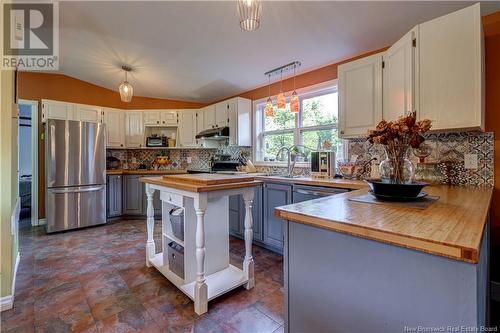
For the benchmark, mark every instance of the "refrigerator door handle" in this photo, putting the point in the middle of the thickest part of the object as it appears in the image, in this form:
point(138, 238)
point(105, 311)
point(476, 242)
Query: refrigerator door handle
point(77, 189)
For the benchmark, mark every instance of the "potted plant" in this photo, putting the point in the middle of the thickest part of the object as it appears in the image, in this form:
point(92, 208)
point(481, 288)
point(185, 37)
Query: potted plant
point(397, 137)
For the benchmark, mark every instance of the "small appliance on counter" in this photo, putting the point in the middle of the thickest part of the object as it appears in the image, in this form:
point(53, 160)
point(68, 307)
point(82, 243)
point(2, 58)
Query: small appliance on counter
point(156, 141)
point(323, 164)
point(224, 163)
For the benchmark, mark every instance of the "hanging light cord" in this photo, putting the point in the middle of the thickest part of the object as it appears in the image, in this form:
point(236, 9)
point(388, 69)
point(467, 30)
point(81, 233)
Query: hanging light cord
point(269, 86)
point(294, 67)
point(281, 81)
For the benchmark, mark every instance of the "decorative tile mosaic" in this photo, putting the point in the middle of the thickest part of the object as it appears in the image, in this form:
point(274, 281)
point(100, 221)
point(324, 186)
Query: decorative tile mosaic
point(200, 158)
point(448, 150)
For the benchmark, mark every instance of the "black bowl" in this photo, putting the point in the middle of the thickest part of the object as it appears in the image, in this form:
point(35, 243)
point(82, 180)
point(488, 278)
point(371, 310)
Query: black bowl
point(396, 190)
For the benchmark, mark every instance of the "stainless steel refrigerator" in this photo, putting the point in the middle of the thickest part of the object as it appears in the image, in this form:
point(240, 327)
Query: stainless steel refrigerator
point(75, 168)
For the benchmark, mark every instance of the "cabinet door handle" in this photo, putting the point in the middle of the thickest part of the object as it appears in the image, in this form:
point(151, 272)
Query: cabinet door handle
point(158, 122)
point(341, 132)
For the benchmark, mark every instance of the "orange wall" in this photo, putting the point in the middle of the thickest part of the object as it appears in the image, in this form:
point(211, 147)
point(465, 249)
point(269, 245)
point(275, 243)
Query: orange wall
point(307, 79)
point(60, 87)
point(491, 24)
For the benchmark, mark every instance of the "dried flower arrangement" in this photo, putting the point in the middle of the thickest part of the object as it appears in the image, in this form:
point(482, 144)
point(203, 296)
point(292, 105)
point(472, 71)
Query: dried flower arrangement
point(397, 136)
point(404, 131)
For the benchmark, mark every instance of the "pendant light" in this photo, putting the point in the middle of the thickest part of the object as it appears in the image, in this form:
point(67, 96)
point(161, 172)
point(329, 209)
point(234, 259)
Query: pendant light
point(249, 11)
point(126, 89)
point(281, 100)
point(269, 110)
point(294, 99)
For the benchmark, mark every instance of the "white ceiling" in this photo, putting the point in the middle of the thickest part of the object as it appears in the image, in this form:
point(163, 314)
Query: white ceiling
point(196, 51)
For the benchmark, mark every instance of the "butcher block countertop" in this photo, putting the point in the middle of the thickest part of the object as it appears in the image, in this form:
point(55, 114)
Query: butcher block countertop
point(143, 172)
point(203, 182)
point(451, 227)
point(326, 182)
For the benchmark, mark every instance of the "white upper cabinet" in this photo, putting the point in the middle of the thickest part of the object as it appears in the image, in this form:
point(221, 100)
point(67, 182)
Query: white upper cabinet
point(209, 117)
point(200, 116)
point(115, 127)
point(399, 78)
point(187, 128)
point(222, 114)
point(134, 129)
point(240, 121)
point(152, 118)
point(451, 70)
point(88, 113)
point(57, 110)
point(160, 118)
point(169, 117)
point(360, 95)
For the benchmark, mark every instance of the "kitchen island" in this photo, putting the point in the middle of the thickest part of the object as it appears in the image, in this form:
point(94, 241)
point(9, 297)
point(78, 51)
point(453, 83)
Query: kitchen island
point(204, 200)
point(356, 267)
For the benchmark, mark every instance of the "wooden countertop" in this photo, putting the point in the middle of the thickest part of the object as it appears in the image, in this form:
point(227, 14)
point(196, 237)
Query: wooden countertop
point(143, 172)
point(451, 227)
point(335, 182)
point(202, 182)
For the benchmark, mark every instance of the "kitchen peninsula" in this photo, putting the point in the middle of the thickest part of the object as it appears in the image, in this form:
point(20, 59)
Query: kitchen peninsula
point(352, 266)
point(202, 270)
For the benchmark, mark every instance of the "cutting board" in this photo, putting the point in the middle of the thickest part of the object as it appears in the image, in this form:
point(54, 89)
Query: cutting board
point(208, 179)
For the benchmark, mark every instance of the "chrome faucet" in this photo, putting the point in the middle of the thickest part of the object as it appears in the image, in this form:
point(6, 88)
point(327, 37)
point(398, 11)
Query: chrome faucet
point(290, 163)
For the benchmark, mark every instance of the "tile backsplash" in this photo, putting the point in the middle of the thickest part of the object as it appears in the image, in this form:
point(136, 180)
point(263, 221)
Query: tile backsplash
point(200, 158)
point(448, 149)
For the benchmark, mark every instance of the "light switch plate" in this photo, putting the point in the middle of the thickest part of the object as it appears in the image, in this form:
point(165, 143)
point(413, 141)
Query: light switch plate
point(189, 160)
point(470, 161)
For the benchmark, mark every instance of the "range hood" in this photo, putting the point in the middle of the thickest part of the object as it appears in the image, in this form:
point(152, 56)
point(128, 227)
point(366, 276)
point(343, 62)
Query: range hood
point(220, 133)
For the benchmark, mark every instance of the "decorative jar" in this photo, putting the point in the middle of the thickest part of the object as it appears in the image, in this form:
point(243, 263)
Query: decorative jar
point(397, 168)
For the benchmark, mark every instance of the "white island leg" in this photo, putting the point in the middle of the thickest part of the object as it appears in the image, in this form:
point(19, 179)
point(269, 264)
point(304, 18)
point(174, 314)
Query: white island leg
point(248, 264)
point(150, 245)
point(201, 288)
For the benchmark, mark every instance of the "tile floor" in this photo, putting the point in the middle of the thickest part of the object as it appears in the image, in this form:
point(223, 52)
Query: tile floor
point(95, 280)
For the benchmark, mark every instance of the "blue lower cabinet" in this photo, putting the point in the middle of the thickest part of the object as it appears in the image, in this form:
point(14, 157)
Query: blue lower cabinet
point(275, 195)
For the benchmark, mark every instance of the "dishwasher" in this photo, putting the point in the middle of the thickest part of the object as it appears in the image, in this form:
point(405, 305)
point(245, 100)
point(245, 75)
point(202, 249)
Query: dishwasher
point(302, 193)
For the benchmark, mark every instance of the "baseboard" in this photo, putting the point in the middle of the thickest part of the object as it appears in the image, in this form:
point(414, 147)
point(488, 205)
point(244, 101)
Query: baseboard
point(7, 302)
point(42, 222)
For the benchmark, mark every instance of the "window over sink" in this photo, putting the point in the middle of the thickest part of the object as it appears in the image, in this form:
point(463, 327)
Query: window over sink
point(315, 123)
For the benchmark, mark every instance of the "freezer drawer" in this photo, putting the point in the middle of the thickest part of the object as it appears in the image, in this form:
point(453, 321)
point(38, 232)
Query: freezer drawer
point(75, 207)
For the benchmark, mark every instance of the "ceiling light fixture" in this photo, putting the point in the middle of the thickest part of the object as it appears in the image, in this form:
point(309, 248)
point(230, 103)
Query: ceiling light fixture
point(281, 100)
point(269, 110)
point(249, 11)
point(294, 98)
point(126, 89)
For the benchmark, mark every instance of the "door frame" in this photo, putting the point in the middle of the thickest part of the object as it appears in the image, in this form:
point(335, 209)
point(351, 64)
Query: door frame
point(34, 158)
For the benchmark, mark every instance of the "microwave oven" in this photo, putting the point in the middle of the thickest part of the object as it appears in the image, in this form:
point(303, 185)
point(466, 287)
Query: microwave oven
point(156, 141)
point(323, 164)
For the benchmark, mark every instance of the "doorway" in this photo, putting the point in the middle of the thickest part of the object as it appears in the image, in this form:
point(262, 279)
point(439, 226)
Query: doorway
point(28, 160)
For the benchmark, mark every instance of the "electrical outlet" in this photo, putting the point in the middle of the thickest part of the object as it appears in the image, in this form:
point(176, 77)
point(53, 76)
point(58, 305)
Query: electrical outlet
point(470, 161)
point(189, 160)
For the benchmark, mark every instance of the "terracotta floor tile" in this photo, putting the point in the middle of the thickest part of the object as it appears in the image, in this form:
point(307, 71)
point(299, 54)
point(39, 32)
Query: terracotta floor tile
point(96, 280)
point(112, 304)
point(251, 320)
point(130, 320)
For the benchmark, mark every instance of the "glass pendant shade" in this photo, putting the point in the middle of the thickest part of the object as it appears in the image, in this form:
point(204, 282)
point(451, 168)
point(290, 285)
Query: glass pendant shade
point(249, 11)
point(126, 92)
point(269, 108)
point(281, 101)
point(294, 102)
point(125, 89)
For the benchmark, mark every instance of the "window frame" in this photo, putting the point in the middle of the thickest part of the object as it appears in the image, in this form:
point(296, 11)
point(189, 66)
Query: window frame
point(259, 121)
